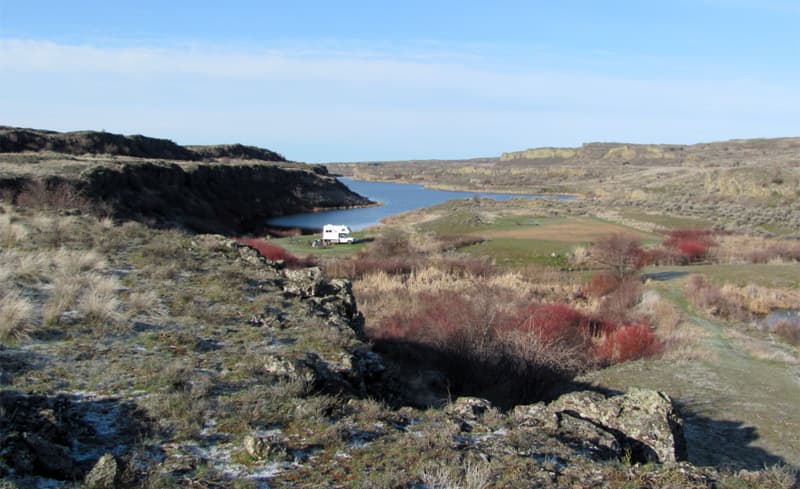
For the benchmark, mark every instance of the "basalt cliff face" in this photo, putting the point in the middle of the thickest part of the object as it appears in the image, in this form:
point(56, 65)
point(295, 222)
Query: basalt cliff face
point(227, 189)
point(220, 198)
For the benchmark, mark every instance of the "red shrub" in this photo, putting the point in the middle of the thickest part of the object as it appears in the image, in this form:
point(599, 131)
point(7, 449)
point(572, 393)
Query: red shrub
point(601, 284)
point(628, 342)
point(438, 316)
point(399, 265)
point(693, 250)
point(272, 252)
point(552, 323)
point(692, 244)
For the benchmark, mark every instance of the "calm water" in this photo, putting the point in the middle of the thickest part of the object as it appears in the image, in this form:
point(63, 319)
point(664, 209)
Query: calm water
point(396, 197)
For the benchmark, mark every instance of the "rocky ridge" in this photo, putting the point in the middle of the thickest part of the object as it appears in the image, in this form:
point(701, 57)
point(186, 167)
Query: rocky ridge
point(16, 140)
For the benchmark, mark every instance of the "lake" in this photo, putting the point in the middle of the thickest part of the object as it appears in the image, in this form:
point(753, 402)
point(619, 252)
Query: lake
point(396, 198)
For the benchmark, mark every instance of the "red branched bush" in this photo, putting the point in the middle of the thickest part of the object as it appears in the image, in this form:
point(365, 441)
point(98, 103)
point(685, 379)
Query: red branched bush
point(692, 244)
point(552, 322)
point(628, 342)
point(273, 252)
point(601, 284)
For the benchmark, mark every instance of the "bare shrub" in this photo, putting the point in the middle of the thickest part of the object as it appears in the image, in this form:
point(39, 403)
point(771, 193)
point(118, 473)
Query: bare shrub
point(16, 317)
point(789, 331)
point(392, 243)
point(41, 194)
point(618, 304)
point(621, 254)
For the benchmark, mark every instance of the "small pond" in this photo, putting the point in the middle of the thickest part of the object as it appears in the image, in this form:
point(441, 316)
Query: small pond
point(778, 316)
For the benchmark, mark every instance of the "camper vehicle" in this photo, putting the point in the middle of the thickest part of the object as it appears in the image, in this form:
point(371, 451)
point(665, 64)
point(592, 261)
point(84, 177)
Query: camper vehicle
point(336, 234)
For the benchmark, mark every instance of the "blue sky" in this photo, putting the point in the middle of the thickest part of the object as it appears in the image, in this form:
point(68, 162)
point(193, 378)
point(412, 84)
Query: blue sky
point(354, 81)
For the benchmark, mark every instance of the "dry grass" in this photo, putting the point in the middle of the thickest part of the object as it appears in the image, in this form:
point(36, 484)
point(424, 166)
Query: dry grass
point(761, 349)
point(758, 299)
point(16, 317)
point(63, 295)
point(682, 339)
point(99, 303)
point(11, 233)
point(472, 475)
point(742, 248)
point(577, 230)
point(380, 293)
point(146, 302)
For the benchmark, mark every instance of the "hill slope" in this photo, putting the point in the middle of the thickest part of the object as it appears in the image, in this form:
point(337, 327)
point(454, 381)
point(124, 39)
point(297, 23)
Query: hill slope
point(15, 140)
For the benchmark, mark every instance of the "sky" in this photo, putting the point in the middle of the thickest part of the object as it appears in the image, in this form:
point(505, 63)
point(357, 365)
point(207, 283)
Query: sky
point(323, 81)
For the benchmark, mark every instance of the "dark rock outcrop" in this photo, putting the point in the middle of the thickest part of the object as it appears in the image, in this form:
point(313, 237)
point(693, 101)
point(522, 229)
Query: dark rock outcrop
point(17, 140)
point(224, 199)
point(235, 151)
point(644, 422)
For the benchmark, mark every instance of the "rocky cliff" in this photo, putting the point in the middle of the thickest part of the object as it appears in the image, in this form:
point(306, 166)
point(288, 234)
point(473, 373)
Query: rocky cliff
point(214, 198)
point(227, 189)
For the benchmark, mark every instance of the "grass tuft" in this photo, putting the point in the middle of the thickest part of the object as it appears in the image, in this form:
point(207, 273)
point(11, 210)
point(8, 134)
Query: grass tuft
point(16, 316)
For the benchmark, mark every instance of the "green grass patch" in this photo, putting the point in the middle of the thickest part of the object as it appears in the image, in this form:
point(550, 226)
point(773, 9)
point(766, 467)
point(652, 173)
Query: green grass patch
point(301, 245)
point(468, 221)
point(778, 229)
point(508, 252)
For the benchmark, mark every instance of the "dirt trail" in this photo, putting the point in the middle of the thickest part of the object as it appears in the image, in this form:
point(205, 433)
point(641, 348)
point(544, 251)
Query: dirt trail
point(740, 411)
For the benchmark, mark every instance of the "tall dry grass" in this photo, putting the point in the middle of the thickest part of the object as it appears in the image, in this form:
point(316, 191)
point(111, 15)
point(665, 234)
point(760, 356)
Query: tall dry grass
point(12, 233)
point(682, 339)
point(16, 317)
point(739, 248)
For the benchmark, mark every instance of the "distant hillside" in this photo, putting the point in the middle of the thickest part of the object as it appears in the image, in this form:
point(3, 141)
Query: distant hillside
point(17, 140)
point(662, 154)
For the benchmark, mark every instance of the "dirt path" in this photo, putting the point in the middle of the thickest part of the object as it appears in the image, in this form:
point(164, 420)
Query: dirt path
point(740, 411)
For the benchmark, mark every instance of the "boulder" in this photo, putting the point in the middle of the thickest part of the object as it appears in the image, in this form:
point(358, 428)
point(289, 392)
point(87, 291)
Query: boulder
point(304, 282)
point(468, 408)
point(262, 447)
point(535, 416)
point(644, 421)
point(104, 473)
point(594, 441)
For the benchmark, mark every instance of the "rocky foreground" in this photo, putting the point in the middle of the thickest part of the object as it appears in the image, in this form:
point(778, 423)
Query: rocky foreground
point(245, 373)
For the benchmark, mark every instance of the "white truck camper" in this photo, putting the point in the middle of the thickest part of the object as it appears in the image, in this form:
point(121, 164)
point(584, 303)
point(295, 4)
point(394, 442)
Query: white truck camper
point(336, 234)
